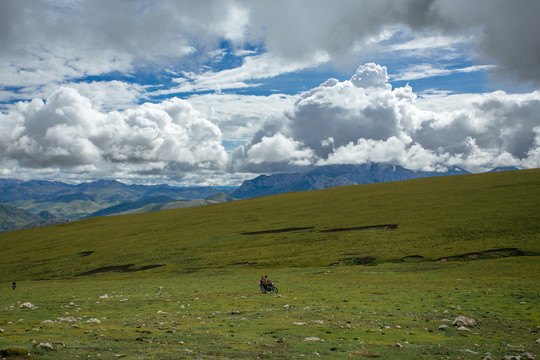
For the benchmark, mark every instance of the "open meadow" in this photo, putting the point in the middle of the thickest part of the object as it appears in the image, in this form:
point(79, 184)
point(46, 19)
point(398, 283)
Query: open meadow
point(368, 271)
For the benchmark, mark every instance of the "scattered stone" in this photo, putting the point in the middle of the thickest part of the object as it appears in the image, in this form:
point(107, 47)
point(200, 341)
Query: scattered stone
point(45, 346)
point(161, 312)
point(106, 296)
point(313, 338)
point(464, 321)
point(160, 288)
point(398, 345)
point(69, 319)
point(93, 321)
point(2, 330)
point(27, 305)
point(299, 323)
point(527, 355)
point(512, 357)
point(463, 328)
point(523, 303)
point(488, 358)
point(443, 327)
point(45, 322)
point(470, 351)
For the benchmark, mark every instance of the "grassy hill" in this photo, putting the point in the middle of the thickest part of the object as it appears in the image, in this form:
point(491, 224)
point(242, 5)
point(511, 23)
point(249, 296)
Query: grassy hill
point(435, 218)
point(426, 252)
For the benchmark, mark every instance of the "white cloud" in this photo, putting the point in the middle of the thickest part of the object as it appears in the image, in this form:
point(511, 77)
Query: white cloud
point(239, 117)
point(279, 148)
point(368, 121)
point(422, 71)
point(254, 67)
point(67, 132)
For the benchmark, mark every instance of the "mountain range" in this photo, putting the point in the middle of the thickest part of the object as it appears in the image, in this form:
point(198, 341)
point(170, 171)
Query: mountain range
point(328, 176)
point(39, 202)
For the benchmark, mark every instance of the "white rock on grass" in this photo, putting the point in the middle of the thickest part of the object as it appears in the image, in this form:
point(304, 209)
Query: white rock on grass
point(313, 338)
point(27, 305)
point(299, 323)
point(463, 328)
point(45, 346)
point(106, 296)
point(69, 319)
point(93, 321)
point(443, 327)
point(464, 321)
point(44, 322)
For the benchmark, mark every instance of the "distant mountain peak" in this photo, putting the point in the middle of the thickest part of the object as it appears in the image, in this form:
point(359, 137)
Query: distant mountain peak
point(504, 168)
point(328, 176)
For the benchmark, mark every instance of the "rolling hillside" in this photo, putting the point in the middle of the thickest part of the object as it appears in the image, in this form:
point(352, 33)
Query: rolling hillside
point(424, 219)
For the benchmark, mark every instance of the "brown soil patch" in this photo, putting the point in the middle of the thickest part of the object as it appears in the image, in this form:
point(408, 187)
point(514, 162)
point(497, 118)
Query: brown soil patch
point(384, 226)
point(358, 228)
point(277, 230)
point(85, 253)
point(118, 268)
point(488, 254)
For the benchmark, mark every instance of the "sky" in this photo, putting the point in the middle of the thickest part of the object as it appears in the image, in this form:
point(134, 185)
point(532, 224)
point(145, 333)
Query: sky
point(214, 92)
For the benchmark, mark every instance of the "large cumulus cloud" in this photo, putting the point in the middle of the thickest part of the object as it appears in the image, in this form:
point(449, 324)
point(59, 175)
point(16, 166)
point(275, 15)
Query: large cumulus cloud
point(364, 120)
point(67, 132)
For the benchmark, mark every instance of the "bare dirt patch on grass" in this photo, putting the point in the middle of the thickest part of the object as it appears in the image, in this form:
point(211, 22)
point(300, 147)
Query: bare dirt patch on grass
point(291, 229)
point(359, 228)
point(488, 254)
point(276, 231)
point(119, 268)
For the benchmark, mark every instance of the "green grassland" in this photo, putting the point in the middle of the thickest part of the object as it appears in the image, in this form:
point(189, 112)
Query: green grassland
point(462, 245)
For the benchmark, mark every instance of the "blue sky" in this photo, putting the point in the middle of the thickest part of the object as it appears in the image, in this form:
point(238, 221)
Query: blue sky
point(215, 92)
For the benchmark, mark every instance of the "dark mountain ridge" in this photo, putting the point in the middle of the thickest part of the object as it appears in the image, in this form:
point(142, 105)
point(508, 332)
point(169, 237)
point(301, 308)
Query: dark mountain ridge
point(328, 176)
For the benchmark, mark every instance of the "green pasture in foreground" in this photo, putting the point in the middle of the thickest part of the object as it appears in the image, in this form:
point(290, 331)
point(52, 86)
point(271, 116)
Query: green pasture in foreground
point(389, 311)
point(462, 245)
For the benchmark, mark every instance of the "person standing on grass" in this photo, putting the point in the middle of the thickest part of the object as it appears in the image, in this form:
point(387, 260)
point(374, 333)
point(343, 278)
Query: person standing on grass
point(266, 282)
